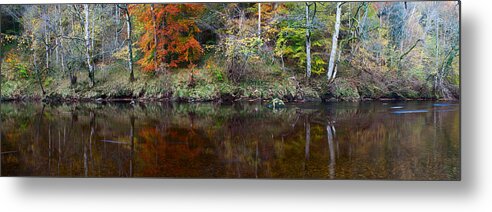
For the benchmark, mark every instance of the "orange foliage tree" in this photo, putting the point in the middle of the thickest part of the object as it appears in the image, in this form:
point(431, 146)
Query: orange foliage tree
point(169, 34)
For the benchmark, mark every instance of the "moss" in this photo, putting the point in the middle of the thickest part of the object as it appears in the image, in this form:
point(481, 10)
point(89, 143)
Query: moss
point(309, 94)
point(371, 90)
point(345, 90)
point(204, 93)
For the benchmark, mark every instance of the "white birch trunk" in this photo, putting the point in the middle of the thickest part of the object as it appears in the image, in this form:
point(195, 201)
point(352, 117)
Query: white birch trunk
point(259, 20)
point(88, 45)
point(92, 30)
point(129, 40)
point(308, 43)
point(334, 43)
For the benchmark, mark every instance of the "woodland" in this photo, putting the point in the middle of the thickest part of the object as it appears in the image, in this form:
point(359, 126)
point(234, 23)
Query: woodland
point(295, 51)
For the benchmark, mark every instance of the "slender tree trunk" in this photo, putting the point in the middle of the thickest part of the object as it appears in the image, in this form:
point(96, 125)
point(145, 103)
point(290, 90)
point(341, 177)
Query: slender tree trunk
point(57, 38)
point(117, 24)
point(380, 53)
point(259, 20)
point(308, 43)
point(129, 40)
point(283, 62)
point(38, 73)
point(334, 43)
point(335, 70)
point(62, 55)
point(437, 77)
point(46, 38)
point(156, 43)
point(92, 29)
point(88, 46)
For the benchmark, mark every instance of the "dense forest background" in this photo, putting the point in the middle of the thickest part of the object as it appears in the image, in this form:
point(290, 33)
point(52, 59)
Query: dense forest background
point(298, 51)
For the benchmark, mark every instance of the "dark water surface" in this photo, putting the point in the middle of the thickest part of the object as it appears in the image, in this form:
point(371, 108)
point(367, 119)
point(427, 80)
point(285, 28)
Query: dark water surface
point(367, 140)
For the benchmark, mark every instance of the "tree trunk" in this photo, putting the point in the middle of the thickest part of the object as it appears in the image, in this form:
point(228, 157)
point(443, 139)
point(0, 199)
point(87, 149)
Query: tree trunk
point(88, 46)
point(62, 56)
point(129, 40)
point(156, 66)
point(46, 38)
point(334, 43)
point(283, 62)
point(437, 80)
point(117, 23)
point(92, 29)
point(259, 20)
point(38, 73)
point(308, 43)
point(57, 39)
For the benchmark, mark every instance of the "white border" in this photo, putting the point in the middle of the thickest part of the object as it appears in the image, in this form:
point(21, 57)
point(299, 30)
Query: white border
point(473, 193)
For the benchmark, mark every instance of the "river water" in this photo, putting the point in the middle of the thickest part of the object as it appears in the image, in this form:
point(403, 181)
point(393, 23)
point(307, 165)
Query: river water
point(414, 140)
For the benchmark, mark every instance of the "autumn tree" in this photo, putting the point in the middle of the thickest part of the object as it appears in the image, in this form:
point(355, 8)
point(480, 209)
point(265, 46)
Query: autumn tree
point(174, 43)
point(300, 41)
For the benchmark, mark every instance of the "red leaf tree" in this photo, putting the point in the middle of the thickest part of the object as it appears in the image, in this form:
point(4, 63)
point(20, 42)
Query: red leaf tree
point(169, 36)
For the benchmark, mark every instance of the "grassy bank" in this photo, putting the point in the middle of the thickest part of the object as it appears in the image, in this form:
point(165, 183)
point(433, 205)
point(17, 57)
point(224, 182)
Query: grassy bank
point(205, 84)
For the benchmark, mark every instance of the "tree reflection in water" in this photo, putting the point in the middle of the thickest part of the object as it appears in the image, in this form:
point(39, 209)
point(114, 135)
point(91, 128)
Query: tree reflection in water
point(310, 140)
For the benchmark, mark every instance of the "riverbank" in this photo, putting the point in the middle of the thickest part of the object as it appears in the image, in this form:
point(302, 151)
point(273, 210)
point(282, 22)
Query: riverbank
point(202, 86)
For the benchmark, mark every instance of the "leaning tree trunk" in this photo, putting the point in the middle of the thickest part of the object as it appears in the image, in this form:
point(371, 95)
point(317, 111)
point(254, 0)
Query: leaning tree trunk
point(308, 43)
point(88, 46)
point(334, 43)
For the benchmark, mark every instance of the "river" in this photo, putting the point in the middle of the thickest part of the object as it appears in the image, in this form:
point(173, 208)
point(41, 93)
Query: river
point(413, 140)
